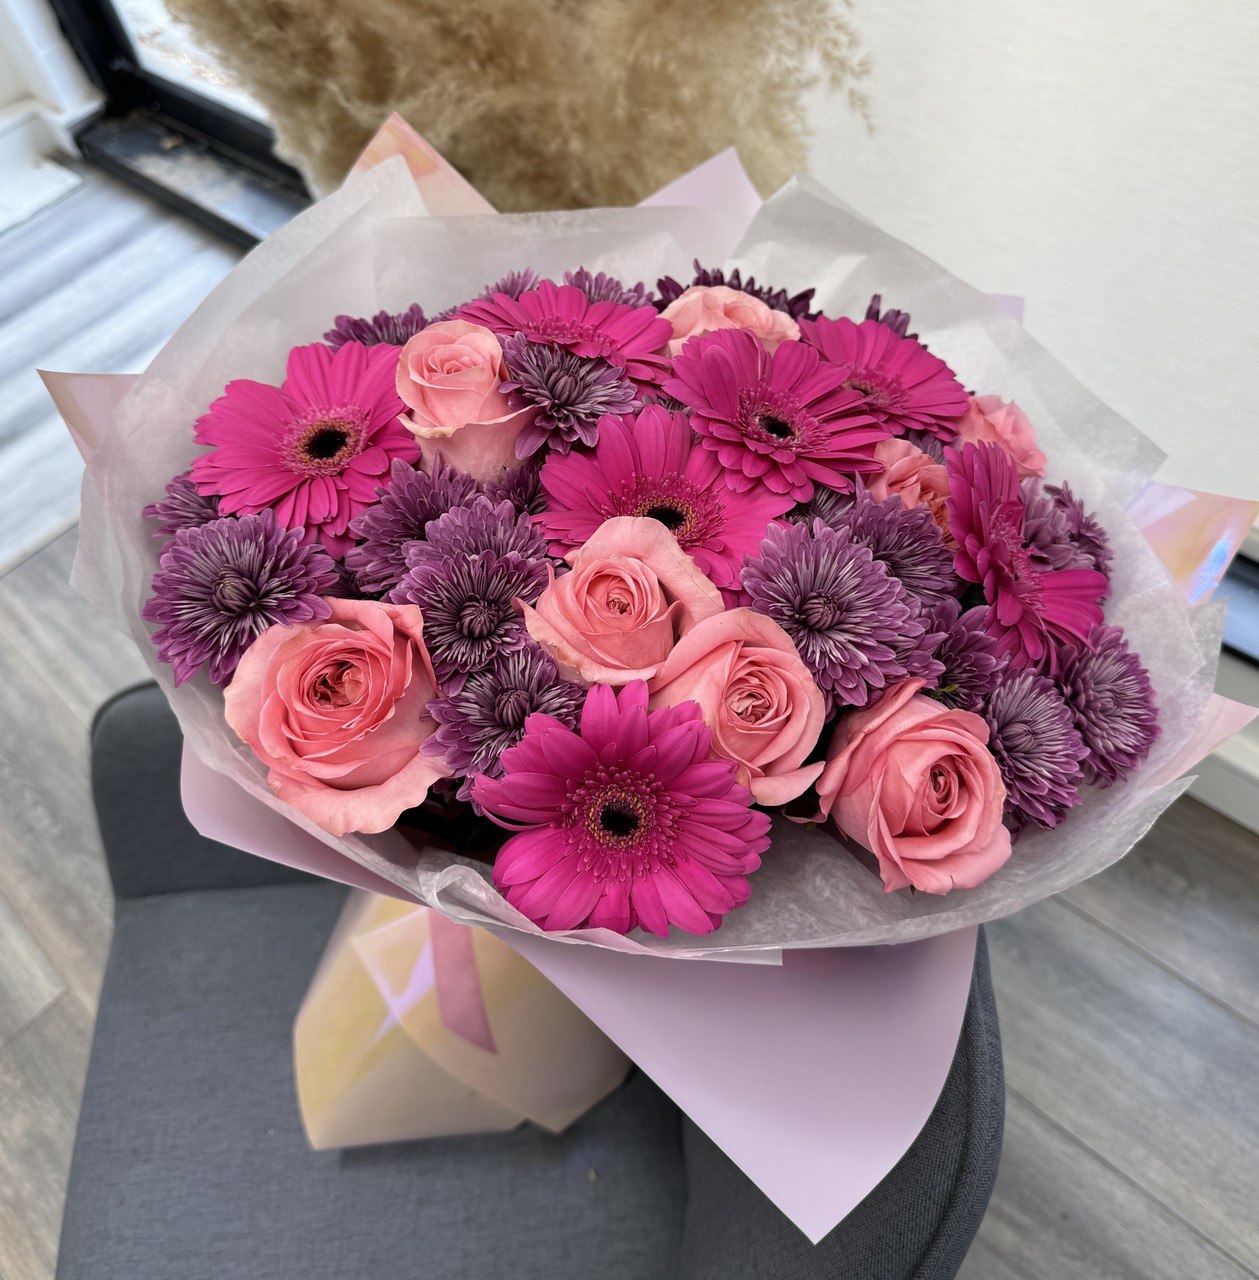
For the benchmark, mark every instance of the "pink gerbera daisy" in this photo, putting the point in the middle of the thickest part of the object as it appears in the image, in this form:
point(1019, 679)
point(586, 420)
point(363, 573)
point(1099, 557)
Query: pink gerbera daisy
point(624, 823)
point(909, 389)
point(313, 449)
point(1030, 611)
point(631, 338)
point(782, 419)
point(651, 464)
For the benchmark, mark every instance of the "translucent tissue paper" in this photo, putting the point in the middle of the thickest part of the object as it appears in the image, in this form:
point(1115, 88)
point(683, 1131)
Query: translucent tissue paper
point(371, 245)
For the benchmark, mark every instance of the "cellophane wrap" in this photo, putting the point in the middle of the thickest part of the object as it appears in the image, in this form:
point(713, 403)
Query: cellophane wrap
point(417, 1027)
point(371, 246)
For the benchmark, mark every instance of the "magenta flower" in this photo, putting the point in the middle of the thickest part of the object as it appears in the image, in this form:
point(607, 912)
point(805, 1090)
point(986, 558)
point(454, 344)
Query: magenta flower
point(313, 449)
point(652, 465)
point(908, 387)
point(630, 338)
point(624, 823)
point(1031, 612)
point(781, 420)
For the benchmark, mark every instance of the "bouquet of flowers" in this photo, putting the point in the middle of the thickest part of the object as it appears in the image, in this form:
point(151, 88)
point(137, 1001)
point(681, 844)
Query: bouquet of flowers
point(625, 569)
point(593, 603)
point(613, 595)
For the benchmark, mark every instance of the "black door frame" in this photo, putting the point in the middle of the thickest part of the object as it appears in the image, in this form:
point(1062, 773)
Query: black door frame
point(144, 110)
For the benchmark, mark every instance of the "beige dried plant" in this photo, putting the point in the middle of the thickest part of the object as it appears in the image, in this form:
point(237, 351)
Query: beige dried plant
point(541, 103)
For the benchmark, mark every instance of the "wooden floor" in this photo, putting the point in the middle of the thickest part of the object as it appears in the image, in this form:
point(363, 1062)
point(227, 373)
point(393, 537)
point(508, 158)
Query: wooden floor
point(96, 284)
point(1129, 1006)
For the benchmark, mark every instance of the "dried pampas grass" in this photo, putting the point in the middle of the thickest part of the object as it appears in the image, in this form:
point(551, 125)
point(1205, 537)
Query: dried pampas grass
point(540, 103)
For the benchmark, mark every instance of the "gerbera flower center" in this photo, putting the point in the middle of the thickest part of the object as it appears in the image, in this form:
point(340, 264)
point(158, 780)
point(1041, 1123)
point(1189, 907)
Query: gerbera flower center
point(558, 329)
point(881, 390)
point(670, 517)
point(688, 513)
point(1006, 532)
point(771, 417)
point(619, 814)
point(619, 819)
point(324, 440)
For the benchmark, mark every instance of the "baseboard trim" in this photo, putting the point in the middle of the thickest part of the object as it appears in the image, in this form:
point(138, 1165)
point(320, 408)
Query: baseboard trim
point(1228, 779)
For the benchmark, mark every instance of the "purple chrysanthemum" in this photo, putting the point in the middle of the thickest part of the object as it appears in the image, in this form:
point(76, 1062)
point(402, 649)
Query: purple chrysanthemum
point(848, 617)
point(573, 392)
point(605, 288)
point(513, 284)
point(968, 656)
point(474, 564)
point(522, 488)
point(1112, 700)
point(488, 714)
point(897, 321)
point(926, 442)
point(1037, 748)
point(797, 306)
point(220, 585)
point(183, 507)
point(915, 648)
point(410, 501)
point(1085, 530)
point(391, 329)
point(827, 505)
point(1046, 531)
point(909, 542)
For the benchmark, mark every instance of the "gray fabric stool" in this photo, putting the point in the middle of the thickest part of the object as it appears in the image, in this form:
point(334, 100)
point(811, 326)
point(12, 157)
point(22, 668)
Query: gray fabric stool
point(190, 1161)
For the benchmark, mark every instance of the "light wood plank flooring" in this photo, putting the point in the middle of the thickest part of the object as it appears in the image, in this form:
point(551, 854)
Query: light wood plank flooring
point(96, 283)
point(1129, 1006)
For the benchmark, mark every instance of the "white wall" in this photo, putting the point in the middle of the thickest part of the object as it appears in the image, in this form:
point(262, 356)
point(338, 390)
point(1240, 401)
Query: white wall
point(1101, 158)
point(12, 82)
point(39, 69)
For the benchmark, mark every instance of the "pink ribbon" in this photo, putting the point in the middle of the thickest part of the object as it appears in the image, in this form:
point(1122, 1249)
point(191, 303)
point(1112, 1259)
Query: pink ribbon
point(446, 965)
point(460, 1000)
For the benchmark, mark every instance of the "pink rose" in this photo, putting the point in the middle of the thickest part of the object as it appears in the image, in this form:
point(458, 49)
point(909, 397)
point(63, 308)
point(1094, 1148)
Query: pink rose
point(989, 420)
point(450, 376)
point(701, 309)
point(758, 699)
point(338, 711)
point(915, 477)
point(631, 593)
point(914, 782)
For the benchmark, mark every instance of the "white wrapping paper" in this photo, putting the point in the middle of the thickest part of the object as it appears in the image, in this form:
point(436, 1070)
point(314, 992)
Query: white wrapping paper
point(370, 246)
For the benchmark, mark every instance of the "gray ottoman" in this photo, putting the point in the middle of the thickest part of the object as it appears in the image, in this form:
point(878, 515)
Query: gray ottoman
point(190, 1162)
